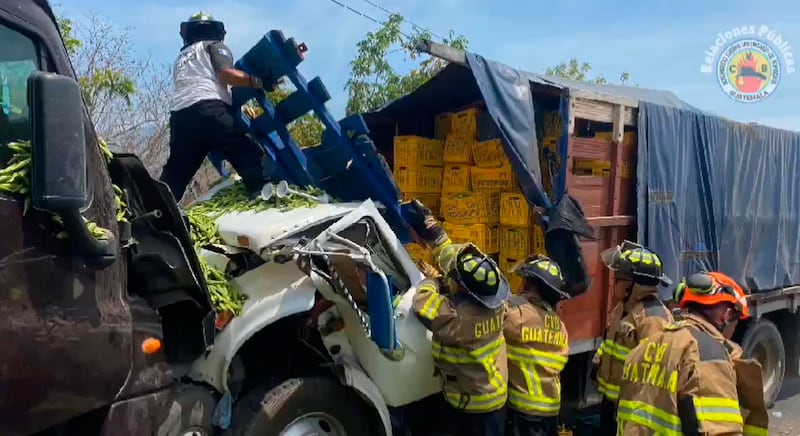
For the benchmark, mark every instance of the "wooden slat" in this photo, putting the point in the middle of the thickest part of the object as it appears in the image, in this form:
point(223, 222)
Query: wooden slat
point(611, 221)
point(616, 161)
point(601, 111)
point(571, 116)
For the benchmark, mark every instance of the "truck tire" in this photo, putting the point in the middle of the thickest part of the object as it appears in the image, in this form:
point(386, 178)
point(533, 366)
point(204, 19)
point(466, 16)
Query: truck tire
point(311, 405)
point(762, 341)
point(190, 413)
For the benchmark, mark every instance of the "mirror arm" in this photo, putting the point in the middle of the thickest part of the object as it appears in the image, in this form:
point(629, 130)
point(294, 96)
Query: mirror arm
point(83, 240)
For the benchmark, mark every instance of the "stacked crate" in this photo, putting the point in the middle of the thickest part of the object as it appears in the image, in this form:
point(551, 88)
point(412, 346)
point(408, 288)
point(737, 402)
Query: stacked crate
point(552, 130)
point(418, 170)
point(521, 233)
point(470, 203)
point(602, 168)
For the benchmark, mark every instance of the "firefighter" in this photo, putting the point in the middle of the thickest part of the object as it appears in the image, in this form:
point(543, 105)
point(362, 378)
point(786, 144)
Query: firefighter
point(538, 347)
point(638, 314)
point(201, 118)
point(464, 310)
point(690, 378)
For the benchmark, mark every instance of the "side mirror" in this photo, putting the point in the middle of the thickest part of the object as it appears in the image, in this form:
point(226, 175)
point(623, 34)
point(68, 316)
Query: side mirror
point(58, 154)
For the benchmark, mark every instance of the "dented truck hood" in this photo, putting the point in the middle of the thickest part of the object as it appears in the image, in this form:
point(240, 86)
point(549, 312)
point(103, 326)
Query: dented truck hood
point(257, 230)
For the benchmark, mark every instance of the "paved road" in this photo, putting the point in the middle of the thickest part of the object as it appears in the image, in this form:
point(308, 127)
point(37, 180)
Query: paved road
point(785, 416)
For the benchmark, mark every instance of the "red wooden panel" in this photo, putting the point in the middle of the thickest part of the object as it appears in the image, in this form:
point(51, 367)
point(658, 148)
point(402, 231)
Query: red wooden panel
point(591, 193)
point(589, 148)
point(583, 315)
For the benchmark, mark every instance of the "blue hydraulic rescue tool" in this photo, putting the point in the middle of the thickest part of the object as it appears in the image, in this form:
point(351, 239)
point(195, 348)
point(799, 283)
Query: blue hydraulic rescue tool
point(346, 164)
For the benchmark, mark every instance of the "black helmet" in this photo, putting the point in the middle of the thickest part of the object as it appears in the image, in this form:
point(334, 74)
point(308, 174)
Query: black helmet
point(202, 27)
point(633, 261)
point(546, 274)
point(476, 272)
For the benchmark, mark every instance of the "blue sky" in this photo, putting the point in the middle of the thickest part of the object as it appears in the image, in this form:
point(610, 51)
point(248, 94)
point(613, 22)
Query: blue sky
point(659, 42)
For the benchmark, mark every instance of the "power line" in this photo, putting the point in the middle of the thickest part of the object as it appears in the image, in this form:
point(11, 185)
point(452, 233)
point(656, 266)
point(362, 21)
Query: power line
point(413, 24)
point(381, 23)
point(376, 21)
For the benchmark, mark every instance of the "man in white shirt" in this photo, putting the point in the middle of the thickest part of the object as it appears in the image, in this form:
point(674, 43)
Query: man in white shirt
point(201, 119)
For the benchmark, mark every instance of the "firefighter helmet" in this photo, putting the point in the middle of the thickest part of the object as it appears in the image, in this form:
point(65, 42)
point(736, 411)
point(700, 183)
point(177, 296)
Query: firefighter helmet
point(630, 260)
point(711, 288)
point(202, 26)
point(545, 273)
point(476, 272)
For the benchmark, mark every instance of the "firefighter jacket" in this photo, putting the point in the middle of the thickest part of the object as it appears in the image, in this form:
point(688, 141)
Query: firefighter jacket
point(538, 347)
point(688, 379)
point(634, 318)
point(468, 347)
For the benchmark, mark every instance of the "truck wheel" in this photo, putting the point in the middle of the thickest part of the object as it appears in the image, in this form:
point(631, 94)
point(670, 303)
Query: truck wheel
point(190, 413)
point(300, 406)
point(763, 342)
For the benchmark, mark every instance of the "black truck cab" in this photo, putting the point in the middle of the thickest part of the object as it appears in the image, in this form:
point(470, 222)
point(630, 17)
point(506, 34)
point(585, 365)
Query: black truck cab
point(75, 312)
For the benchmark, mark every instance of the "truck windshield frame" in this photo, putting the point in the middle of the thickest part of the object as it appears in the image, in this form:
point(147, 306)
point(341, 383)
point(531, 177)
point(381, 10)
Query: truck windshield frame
point(20, 55)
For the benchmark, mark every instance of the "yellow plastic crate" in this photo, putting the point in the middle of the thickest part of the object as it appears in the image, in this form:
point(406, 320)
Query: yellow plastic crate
point(507, 262)
point(550, 142)
point(418, 253)
point(626, 171)
point(458, 150)
point(420, 179)
point(553, 124)
point(464, 124)
point(515, 241)
point(628, 138)
point(442, 125)
point(605, 136)
point(484, 236)
point(537, 240)
point(416, 150)
point(471, 207)
point(489, 154)
point(514, 210)
point(500, 179)
point(456, 178)
point(590, 167)
point(519, 242)
point(431, 200)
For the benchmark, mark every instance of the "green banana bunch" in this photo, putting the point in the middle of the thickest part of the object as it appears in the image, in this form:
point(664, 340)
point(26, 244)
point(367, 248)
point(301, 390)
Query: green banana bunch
point(122, 207)
point(203, 230)
point(234, 199)
point(15, 180)
point(224, 295)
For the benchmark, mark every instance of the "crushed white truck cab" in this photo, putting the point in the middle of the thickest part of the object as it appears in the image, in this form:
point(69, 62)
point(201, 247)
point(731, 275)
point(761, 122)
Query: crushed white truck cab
point(345, 254)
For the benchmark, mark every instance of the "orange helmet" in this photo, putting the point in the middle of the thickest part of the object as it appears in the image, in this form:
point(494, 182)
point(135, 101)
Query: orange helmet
point(710, 288)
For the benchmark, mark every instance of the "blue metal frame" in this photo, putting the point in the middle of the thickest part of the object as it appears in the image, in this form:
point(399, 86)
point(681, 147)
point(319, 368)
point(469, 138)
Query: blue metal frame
point(346, 164)
point(563, 147)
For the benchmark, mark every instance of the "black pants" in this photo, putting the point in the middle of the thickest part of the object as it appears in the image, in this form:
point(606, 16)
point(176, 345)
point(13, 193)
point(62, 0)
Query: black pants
point(205, 126)
point(478, 424)
point(608, 417)
point(521, 424)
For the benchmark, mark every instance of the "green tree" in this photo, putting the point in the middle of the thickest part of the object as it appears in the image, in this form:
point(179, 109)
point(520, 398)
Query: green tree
point(126, 96)
point(577, 70)
point(373, 81)
point(100, 78)
point(306, 130)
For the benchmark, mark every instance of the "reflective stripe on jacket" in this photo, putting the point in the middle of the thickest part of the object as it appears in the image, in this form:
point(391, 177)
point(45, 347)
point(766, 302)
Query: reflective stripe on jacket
point(684, 381)
point(631, 320)
point(468, 347)
point(538, 346)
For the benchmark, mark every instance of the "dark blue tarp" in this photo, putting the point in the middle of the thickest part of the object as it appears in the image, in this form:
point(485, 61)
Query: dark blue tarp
point(712, 194)
point(507, 95)
point(719, 195)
